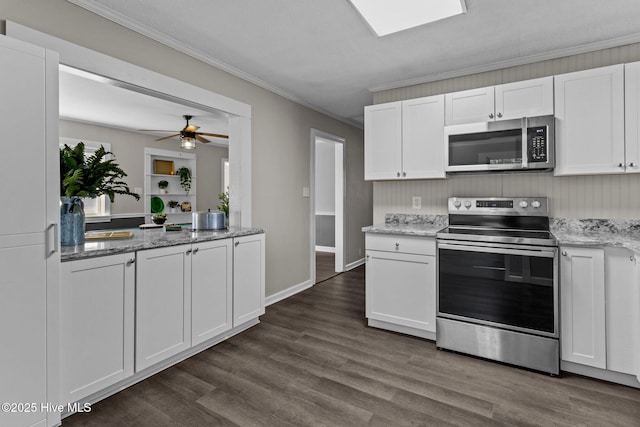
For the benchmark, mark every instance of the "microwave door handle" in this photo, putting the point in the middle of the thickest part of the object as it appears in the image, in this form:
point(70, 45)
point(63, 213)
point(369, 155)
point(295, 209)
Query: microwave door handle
point(525, 142)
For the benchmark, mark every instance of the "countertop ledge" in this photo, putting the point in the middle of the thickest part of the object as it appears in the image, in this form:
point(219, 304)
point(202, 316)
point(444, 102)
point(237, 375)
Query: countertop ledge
point(150, 239)
point(421, 230)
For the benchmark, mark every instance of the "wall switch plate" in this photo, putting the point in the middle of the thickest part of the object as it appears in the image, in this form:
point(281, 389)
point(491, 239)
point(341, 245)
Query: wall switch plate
point(416, 202)
point(137, 190)
point(305, 192)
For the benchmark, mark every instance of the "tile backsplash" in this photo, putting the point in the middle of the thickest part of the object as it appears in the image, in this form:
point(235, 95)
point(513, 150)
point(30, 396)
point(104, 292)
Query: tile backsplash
point(602, 196)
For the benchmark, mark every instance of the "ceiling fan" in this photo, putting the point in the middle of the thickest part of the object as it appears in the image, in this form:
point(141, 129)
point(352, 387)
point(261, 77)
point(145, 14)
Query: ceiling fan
point(188, 134)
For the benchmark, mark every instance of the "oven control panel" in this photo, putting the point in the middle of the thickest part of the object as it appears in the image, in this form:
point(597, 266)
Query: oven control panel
point(530, 206)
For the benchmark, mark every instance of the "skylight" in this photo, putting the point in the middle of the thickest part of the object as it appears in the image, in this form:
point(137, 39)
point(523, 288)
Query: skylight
point(386, 17)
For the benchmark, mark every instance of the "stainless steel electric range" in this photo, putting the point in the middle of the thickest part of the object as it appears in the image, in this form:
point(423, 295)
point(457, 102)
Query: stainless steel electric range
point(497, 286)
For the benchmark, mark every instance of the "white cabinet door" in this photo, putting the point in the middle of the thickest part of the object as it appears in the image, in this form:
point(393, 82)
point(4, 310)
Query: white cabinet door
point(400, 289)
point(163, 304)
point(211, 289)
point(248, 278)
point(589, 108)
point(423, 138)
point(527, 98)
point(582, 313)
point(470, 106)
point(29, 263)
point(622, 311)
point(383, 141)
point(632, 117)
point(97, 316)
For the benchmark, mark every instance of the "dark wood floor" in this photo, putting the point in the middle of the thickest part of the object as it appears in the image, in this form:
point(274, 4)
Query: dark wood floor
point(312, 361)
point(325, 266)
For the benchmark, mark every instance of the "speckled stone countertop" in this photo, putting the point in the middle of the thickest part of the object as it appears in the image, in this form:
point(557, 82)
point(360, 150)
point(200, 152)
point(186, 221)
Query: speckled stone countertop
point(149, 239)
point(410, 225)
point(597, 232)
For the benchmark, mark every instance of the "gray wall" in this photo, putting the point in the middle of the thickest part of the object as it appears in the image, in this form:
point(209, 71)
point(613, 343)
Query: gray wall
point(607, 196)
point(280, 135)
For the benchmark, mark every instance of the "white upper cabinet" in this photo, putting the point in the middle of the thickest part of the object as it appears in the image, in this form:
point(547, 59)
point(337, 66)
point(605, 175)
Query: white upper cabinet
point(590, 121)
point(383, 141)
point(527, 98)
point(404, 139)
point(632, 116)
point(470, 106)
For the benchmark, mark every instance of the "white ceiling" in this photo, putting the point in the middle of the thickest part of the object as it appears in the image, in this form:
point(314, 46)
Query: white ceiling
point(322, 54)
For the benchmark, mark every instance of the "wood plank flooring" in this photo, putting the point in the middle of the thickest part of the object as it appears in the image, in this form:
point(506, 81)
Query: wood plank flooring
point(312, 361)
point(325, 266)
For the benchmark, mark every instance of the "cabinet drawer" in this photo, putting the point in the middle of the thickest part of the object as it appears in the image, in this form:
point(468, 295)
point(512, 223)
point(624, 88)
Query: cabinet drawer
point(400, 244)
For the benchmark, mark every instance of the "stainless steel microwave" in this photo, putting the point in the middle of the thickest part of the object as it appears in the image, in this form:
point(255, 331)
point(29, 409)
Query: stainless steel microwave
point(520, 144)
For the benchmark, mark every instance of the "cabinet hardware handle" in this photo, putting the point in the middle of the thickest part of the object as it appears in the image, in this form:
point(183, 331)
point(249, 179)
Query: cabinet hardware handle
point(131, 261)
point(397, 245)
point(236, 244)
point(398, 174)
point(188, 251)
point(404, 174)
point(564, 253)
point(632, 165)
point(52, 243)
point(499, 114)
point(195, 251)
point(632, 258)
point(491, 115)
point(620, 165)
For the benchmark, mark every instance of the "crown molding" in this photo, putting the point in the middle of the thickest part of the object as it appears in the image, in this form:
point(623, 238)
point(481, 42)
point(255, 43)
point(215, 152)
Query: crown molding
point(555, 54)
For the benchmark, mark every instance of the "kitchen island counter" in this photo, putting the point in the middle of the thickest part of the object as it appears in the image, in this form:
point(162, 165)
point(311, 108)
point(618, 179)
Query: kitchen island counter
point(149, 239)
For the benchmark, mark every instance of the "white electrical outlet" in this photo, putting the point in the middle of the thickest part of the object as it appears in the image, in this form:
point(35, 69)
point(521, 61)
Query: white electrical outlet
point(305, 192)
point(416, 202)
point(137, 190)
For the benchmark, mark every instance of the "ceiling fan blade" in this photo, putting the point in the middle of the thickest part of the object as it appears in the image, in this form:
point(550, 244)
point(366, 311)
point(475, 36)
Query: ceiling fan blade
point(217, 135)
point(155, 130)
point(167, 137)
point(191, 128)
point(201, 139)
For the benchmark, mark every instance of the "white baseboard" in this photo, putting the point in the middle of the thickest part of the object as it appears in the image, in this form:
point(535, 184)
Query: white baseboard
point(330, 249)
point(354, 264)
point(601, 374)
point(284, 294)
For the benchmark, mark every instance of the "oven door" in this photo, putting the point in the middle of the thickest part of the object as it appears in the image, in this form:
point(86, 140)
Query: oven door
point(512, 287)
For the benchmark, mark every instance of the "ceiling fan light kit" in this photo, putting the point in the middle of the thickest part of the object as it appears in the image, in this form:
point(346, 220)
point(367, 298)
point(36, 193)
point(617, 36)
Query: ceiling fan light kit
point(188, 135)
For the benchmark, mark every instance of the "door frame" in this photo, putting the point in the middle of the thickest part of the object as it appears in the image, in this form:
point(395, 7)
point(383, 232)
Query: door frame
point(340, 197)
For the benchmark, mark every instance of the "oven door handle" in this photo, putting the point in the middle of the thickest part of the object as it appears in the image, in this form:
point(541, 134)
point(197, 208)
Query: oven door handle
point(543, 252)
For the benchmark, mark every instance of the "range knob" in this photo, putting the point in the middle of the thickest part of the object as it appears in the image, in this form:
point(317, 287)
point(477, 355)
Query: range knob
point(467, 204)
point(523, 204)
point(457, 204)
point(535, 204)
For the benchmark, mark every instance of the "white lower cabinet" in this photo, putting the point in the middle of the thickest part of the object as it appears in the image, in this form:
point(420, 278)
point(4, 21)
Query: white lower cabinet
point(248, 278)
point(583, 306)
point(163, 304)
point(600, 309)
point(401, 284)
point(97, 315)
point(211, 289)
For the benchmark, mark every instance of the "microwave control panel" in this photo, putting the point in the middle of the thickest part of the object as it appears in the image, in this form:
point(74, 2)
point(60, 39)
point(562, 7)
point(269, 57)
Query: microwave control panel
point(537, 146)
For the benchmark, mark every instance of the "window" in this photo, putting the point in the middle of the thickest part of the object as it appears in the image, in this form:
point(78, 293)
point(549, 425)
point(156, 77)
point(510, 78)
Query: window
point(225, 175)
point(95, 209)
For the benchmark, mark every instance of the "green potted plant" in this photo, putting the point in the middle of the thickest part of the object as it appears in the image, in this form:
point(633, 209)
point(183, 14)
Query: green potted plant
point(163, 185)
point(173, 204)
point(185, 178)
point(224, 203)
point(84, 176)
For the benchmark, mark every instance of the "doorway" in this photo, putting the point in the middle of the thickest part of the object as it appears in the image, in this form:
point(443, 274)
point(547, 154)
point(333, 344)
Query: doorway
point(327, 205)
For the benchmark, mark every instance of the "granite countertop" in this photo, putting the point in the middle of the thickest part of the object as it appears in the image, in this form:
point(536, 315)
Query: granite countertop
point(567, 231)
point(410, 225)
point(149, 239)
point(597, 232)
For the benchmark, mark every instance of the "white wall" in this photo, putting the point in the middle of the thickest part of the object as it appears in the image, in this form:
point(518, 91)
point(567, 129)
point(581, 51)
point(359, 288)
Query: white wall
point(611, 196)
point(280, 135)
point(325, 178)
